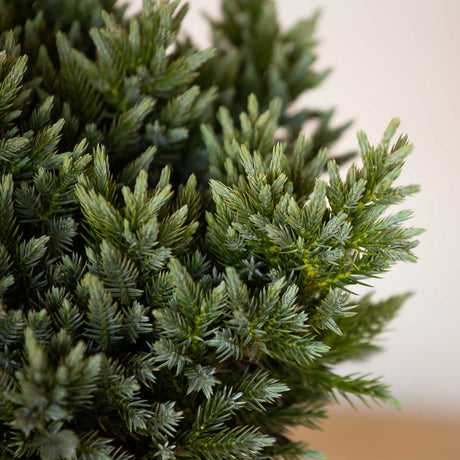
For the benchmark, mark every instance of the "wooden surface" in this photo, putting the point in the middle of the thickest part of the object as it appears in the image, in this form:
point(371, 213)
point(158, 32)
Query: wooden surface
point(378, 435)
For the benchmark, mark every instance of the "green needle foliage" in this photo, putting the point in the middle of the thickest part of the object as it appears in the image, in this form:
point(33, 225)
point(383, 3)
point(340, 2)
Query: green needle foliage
point(175, 267)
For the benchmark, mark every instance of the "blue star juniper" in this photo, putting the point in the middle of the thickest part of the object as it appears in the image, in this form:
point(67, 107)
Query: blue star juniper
point(177, 259)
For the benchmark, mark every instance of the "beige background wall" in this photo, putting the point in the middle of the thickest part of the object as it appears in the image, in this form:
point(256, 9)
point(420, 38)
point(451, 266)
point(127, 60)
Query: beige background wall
point(401, 58)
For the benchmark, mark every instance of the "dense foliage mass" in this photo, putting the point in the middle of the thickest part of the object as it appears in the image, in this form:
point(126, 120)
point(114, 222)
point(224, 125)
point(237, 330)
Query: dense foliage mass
point(174, 275)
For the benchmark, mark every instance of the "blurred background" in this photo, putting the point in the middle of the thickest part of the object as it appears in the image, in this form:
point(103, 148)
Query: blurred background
point(397, 58)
